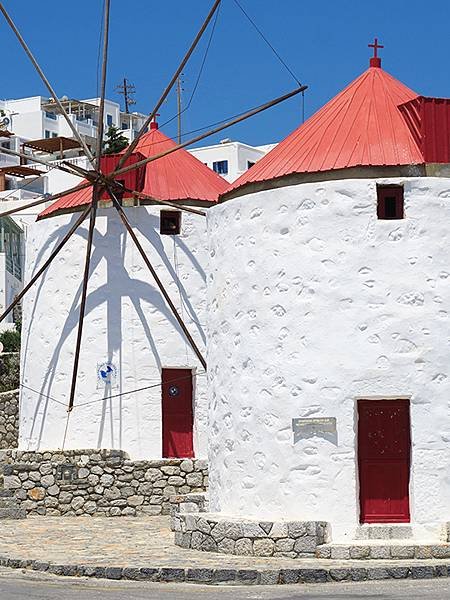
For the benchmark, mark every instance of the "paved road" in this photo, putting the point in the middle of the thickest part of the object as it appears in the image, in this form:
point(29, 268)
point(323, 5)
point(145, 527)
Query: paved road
point(28, 585)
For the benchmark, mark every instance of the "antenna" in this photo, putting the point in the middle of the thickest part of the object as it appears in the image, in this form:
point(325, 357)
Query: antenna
point(180, 89)
point(127, 90)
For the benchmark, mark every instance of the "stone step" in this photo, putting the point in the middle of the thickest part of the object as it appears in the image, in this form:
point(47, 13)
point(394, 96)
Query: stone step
point(382, 549)
point(12, 513)
point(384, 532)
point(189, 503)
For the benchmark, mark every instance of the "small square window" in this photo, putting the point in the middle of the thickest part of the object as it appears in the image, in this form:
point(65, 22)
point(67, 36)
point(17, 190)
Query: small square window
point(221, 167)
point(250, 164)
point(170, 222)
point(390, 203)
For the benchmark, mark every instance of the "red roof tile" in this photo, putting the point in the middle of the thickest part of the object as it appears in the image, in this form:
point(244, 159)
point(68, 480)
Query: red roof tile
point(361, 126)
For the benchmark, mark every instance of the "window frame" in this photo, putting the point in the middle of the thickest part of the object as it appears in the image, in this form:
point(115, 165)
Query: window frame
point(389, 191)
point(175, 215)
point(218, 169)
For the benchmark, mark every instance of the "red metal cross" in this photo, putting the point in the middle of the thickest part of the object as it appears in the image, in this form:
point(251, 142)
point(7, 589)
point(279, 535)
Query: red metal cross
point(375, 47)
point(375, 61)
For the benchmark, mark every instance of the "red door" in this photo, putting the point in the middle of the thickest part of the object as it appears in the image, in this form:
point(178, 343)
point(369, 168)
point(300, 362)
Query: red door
point(177, 414)
point(384, 448)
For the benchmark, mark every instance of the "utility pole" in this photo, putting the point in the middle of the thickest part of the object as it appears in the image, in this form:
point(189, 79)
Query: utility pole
point(127, 90)
point(179, 91)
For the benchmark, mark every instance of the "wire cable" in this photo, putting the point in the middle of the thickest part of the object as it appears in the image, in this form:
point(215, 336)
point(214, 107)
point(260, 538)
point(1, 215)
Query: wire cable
point(202, 66)
point(148, 387)
point(267, 41)
point(43, 395)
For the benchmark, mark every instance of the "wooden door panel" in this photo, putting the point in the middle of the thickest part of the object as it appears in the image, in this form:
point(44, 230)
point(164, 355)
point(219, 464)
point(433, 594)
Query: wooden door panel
point(177, 414)
point(384, 448)
point(384, 497)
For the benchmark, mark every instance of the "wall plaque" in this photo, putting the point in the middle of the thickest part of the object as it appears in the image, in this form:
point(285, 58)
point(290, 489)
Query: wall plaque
point(324, 427)
point(107, 375)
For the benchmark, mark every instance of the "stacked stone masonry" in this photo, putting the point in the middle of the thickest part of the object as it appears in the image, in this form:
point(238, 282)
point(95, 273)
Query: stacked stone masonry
point(9, 419)
point(380, 551)
point(212, 533)
point(188, 503)
point(98, 482)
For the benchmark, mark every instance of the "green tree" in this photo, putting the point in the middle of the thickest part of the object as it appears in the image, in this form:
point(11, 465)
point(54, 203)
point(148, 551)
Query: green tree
point(114, 141)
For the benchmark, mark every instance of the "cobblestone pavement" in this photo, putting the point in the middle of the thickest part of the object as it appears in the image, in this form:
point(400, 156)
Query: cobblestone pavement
point(143, 549)
point(122, 541)
point(29, 585)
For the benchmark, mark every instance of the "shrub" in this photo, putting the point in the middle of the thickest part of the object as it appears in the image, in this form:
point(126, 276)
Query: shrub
point(9, 372)
point(10, 338)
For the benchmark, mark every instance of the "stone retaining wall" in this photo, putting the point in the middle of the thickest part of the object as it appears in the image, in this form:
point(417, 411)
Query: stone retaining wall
point(9, 419)
point(215, 533)
point(98, 482)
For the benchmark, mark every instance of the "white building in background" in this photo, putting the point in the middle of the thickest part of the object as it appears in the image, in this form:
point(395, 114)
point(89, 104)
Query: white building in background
point(230, 159)
point(38, 118)
point(11, 265)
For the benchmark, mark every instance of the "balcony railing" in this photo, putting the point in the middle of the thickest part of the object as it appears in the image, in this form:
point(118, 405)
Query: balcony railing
point(13, 267)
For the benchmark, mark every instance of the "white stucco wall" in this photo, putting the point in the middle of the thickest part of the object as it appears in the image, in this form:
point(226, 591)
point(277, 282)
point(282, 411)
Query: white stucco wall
point(314, 303)
point(127, 322)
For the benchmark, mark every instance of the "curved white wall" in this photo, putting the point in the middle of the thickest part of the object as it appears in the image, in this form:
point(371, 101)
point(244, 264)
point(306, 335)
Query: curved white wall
point(313, 304)
point(127, 322)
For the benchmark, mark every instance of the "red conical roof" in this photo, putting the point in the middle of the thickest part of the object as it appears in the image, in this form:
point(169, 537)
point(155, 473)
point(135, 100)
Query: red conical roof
point(179, 176)
point(361, 126)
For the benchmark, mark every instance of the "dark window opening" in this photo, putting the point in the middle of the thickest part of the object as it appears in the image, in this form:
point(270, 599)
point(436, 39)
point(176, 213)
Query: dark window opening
point(250, 164)
point(221, 167)
point(390, 202)
point(170, 222)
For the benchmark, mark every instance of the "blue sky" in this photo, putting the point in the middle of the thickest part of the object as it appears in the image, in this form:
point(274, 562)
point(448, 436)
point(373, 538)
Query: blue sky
point(324, 43)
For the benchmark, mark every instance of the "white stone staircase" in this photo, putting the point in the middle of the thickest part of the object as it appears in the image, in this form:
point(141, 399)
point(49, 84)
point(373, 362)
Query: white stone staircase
point(377, 542)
